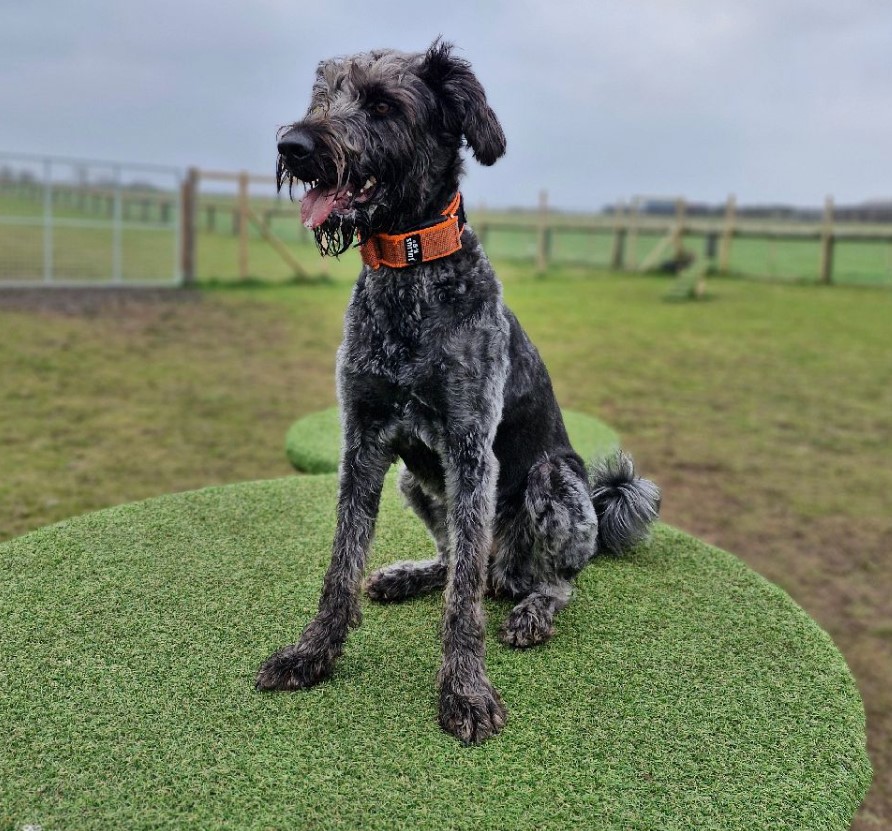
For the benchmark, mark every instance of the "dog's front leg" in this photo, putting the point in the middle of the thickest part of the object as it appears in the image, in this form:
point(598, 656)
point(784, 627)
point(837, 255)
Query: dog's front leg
point(470, 707)
point(363, 466)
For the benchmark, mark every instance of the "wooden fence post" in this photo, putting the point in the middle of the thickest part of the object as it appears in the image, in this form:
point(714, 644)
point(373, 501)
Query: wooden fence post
point(544, 233)
point(827, 243)
point(681, 209)
point(188, 204)
point(632, 243)
point(243, 208)
point(727, 234)
point(617, 257)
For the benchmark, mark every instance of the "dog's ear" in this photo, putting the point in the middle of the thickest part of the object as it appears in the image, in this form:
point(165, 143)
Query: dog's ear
point(463, 102)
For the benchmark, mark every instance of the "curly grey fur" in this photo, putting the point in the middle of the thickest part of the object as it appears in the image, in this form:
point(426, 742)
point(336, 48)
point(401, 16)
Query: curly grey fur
point(434, 369)
point(626, 503)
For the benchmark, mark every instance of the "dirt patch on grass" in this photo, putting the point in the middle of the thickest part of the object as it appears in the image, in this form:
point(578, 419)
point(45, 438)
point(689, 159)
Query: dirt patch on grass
point(92, 302)
point(836, 567)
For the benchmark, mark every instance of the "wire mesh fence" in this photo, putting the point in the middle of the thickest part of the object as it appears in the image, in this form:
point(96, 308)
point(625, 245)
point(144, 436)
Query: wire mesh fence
point(71, 221)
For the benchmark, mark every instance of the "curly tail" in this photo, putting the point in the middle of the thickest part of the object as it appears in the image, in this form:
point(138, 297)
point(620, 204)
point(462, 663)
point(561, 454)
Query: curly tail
point(626, 504)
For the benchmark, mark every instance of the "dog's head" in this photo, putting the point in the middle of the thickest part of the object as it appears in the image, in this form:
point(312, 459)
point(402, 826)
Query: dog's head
point(378, 149)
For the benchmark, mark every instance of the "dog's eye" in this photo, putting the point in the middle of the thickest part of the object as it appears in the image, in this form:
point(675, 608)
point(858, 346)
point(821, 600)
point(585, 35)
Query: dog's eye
point(380, 107)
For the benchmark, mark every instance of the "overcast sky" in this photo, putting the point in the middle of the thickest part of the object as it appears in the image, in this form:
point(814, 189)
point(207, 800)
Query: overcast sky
point(774, 100)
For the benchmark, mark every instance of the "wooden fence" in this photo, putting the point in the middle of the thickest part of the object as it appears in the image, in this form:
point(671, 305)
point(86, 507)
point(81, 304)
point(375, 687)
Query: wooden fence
point(244, 216)
point(628, 225)
point(635, 240)
point(629, 238)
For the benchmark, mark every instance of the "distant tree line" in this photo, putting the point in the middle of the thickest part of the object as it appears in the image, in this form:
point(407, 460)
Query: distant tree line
point(872, 211)
point(11, 176)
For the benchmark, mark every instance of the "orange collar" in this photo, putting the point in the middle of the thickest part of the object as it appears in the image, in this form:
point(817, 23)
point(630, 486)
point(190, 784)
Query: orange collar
point(436, 239)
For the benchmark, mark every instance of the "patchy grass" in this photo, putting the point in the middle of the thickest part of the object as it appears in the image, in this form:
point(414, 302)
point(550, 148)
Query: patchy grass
point(765, 414)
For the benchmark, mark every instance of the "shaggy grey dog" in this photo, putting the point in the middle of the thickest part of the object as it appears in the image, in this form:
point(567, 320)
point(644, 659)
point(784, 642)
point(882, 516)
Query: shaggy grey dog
point(435, 370)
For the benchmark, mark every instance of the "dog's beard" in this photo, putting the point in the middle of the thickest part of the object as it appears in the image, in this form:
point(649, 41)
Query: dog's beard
point(335, 235)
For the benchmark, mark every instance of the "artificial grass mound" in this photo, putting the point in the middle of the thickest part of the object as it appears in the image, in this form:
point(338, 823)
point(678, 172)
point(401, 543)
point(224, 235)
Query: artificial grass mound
point(681, 691)
point(313, 443)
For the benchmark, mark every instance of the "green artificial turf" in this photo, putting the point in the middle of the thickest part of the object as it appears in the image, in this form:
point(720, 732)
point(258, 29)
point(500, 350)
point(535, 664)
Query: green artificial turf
point(313, 442)
point(681, 691)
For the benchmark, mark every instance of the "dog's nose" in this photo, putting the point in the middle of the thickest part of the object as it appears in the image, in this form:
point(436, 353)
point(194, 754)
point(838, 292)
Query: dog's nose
point(297, 144)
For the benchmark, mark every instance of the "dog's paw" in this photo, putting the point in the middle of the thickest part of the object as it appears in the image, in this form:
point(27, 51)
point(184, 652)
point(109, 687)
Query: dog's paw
point(471, 712)
point(292, 668)
point(526, 627)
point(386, 586)
point(405, 580)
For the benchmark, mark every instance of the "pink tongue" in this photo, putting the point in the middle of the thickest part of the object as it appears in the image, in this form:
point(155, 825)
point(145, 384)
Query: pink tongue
point(317, 205)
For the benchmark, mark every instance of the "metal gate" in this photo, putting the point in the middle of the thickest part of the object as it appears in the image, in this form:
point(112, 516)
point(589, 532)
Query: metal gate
point(80, 222)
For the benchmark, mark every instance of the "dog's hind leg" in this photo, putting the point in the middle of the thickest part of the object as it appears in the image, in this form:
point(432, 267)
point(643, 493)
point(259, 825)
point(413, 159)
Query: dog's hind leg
point(410, 578)
point(531, 622)
point(564, 539)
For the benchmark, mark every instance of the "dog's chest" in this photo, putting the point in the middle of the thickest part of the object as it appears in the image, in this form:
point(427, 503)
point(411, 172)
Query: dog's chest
point(401, 330)
point(416, 351)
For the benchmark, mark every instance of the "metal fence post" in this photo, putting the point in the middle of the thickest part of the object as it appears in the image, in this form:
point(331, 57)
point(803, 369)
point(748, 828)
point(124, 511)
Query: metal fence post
point(117, 258)
point(47, 221)
point(632, 243)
